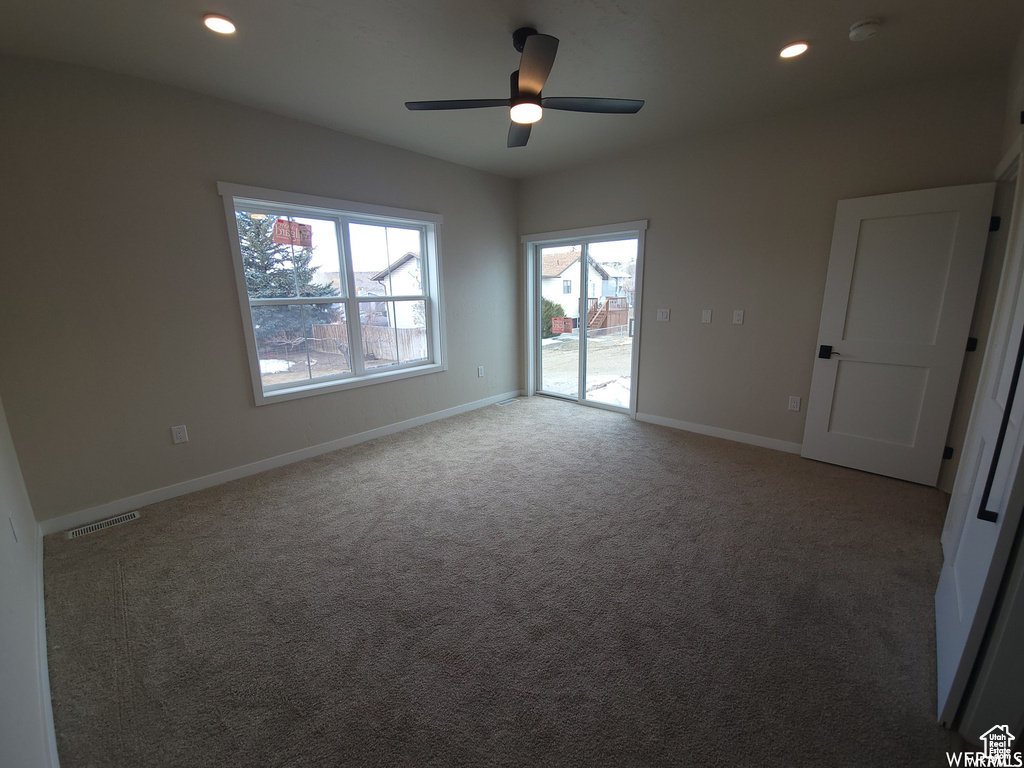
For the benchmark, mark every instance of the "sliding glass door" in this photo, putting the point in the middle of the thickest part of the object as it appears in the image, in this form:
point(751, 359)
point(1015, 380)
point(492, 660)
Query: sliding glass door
point(586, 318)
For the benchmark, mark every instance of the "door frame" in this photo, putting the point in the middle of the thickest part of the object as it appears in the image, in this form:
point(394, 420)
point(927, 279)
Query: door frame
point(532, 282)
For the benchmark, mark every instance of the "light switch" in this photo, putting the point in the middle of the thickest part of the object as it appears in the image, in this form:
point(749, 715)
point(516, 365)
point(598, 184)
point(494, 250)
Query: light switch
point(662, 315)
point(705, 316)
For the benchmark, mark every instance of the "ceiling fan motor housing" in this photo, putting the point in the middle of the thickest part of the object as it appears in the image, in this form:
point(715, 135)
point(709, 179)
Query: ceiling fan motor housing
point(520, 35)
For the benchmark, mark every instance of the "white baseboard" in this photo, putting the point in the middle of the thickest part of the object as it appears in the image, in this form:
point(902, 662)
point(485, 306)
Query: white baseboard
point(103, 511)
point(44, 666)
point(725, 434)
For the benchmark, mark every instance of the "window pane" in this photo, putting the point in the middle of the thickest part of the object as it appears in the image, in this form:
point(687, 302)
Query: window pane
point(386, 260)
point(394, 333)
point(328, 341)
point(285, 256)
point(299, 342)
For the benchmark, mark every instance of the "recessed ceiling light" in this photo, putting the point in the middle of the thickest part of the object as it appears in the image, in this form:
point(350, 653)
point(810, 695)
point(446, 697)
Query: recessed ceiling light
point(794, 49)
point(219, 24)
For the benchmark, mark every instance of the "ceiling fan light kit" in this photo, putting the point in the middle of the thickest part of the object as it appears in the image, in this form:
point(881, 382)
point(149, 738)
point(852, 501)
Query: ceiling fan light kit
point(525, 104)
point(526, 112)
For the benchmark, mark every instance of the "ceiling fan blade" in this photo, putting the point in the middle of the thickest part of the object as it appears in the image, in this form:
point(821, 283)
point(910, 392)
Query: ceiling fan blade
point(583, 104)
point(457, 104)
point(535, 65)
point(518, 135)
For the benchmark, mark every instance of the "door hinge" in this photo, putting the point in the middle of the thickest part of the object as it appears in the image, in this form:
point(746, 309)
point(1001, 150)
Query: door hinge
point(993, 224)
point(947, 452)
point(972, 344)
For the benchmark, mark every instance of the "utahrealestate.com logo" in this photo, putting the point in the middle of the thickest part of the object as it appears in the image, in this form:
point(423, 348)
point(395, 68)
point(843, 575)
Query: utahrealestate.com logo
point(998, 751)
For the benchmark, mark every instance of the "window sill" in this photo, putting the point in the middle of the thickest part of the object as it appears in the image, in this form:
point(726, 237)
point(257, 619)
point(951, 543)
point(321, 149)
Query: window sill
point(337, 385)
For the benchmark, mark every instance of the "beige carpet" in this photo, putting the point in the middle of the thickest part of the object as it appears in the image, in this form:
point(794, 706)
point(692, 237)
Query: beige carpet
point(536, 584)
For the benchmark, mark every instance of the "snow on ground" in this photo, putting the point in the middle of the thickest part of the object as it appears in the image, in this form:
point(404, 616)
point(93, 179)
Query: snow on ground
point(274, 366)
point(615, 392)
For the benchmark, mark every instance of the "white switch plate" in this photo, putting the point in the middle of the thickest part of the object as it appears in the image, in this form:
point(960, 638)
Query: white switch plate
point(794, 403)
point(705, 316)
point(179, 434)
point(662, 315)
point(480, 371)
point(737, 317)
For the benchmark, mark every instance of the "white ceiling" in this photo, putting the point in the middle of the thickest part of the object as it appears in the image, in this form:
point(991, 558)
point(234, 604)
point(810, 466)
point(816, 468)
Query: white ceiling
point(351, 64)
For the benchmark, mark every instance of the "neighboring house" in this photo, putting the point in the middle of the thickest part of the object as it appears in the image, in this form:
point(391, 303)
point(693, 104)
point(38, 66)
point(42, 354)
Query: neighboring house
point(403, 278)
point(560, 280)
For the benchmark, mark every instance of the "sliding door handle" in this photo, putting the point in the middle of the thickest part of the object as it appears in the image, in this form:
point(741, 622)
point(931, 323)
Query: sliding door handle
point(825, 352)
point(987, 515)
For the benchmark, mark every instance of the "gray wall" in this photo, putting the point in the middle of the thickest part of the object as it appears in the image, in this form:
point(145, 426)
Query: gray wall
point(118, 304)
point(24, 740)
point(742, 219)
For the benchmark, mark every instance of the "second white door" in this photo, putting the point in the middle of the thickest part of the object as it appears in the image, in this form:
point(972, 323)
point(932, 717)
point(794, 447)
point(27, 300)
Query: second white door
point(902, 279)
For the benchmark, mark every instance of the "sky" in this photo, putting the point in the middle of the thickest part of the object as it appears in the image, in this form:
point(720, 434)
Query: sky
point(371, 245)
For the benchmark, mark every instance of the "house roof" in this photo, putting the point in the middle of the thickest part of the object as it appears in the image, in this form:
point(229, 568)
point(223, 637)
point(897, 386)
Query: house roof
point(554, 264)
point(392, 267)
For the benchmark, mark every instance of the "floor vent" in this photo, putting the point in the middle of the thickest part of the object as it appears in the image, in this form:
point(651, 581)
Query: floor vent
point(93, 527)
point(507, 402)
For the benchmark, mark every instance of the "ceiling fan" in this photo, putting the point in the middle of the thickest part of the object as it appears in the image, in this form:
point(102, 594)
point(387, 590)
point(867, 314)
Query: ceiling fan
point(526, 104)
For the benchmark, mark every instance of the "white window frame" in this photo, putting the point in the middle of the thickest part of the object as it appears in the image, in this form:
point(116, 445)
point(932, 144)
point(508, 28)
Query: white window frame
point(342, 212)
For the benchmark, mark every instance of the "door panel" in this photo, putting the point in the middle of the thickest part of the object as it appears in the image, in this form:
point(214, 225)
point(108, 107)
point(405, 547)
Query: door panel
point(610, 270)
point(900, 300)
point(559, 365)
point(854, 413)
point(902, 278)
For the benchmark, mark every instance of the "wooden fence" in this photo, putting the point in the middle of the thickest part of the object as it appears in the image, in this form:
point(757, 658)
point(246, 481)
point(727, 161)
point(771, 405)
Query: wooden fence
point(380, 343)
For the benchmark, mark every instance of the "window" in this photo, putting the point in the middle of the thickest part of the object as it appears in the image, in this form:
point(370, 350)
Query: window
point(334, 294)
point(567, 286)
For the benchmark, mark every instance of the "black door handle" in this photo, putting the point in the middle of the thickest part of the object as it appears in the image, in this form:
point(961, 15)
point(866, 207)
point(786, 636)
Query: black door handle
point(825, 352)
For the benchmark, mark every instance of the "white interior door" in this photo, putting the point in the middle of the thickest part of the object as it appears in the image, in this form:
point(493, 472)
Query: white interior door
point(989, 489)
point(902, 280)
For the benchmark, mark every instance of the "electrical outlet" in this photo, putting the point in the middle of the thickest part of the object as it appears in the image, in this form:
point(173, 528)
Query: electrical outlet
point(662, 315)
point(794, 403)
point(480, 371)
point(179, 434)
point(705, 316)
point(737, 317)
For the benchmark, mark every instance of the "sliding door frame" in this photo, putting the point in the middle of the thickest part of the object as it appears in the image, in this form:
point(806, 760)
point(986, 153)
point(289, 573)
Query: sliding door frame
point(531, 249)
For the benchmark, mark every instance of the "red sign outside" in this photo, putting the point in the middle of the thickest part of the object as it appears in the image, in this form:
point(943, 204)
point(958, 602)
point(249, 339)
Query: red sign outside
point(561, 325)
point(292, 233)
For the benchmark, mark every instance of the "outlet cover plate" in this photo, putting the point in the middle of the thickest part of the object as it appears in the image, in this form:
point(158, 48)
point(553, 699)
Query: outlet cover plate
point(737, 317)
point(179, 434)
point(794, 403)
point(663, 315)
point(705, 316)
